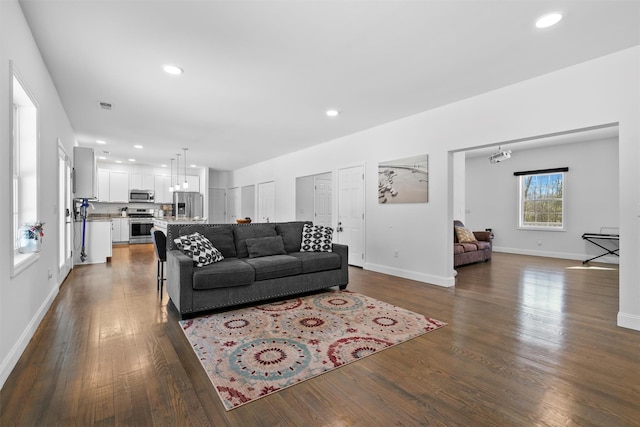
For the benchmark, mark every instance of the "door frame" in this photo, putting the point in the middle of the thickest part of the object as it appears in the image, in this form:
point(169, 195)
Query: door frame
point(363, 199)
point(65, 233)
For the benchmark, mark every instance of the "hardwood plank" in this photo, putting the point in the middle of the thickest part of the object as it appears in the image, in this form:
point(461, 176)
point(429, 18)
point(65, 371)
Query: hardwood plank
point(529, 341)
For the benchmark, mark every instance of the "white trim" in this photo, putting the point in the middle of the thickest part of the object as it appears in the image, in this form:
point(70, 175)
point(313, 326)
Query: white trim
point(19, 347)
point(446, 282)
point(627, 320)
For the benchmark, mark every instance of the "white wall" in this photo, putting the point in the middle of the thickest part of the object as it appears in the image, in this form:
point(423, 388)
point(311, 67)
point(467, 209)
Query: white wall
point(24, 299)
point(304, 198)
point(591, 192)
point(597, 92)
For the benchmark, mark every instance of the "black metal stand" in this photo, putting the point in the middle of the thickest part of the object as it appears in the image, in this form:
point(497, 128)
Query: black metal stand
point(591, 237)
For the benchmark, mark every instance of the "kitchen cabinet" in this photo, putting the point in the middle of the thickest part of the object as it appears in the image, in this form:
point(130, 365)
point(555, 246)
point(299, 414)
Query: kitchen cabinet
point(120, 230)
point(161, 189)
point(97, 242)
point(194, 183)
point(103, 185)
point(113, 186)
point(118, 186)
point(141, 181)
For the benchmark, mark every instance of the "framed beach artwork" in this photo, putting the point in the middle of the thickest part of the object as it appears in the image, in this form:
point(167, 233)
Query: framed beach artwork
point(404, 180)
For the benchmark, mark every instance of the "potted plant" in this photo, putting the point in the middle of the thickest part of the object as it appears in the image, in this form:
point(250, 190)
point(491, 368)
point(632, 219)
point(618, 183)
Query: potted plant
point(30, 236)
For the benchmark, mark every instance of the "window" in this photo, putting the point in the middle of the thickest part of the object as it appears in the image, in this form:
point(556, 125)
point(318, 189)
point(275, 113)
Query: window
point(24, 164)
point(542, 199)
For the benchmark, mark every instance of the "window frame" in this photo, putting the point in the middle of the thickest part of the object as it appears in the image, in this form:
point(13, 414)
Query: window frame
point(19, 261)
point(521, 200)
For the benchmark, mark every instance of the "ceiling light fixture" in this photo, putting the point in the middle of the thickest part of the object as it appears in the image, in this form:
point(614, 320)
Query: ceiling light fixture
point(500, 155)
point(173, 70)
point(185, 184)
point(171, 185)
point(332, 113)
point(177, 187)
point(138, 146)
point(99, 141)
point(132, 160)
point(548, 20)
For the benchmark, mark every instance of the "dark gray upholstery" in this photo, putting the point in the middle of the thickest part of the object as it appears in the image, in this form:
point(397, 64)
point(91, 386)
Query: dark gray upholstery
point(317, 261)
point(242, 232)
point(272, 267)
point(265, 246)
point(228, 272)
point(291, 233)
point(241, 280)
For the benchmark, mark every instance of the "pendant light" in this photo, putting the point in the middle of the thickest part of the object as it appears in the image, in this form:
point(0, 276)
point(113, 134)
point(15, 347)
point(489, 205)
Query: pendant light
point(177, 187)
point(171, 184)
point(185, 184)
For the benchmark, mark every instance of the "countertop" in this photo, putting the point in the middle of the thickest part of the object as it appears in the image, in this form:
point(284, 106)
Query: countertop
point(172, 220)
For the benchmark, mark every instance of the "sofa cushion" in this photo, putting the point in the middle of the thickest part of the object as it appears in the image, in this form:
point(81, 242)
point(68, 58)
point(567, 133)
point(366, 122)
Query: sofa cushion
point(318, 261)
point(291, 233)
point(198, 248)
point(265, 246)
point(458, 248)
point(316, 238)
point(250, 231)
point(469, 247)
point(465, 235)
point(272, 267)
point(223, 274)
point(220, 236)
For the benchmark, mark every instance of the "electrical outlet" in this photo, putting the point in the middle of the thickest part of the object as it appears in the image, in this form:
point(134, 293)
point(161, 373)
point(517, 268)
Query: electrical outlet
point(49, 273)
point(396, 253)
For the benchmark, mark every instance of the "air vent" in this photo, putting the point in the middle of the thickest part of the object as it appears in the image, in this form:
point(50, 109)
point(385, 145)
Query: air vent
point(105, 106)
point(106, 152)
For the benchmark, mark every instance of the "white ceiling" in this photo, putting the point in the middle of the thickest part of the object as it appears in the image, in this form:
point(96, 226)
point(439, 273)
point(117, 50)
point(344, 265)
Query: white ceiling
point(259, 75)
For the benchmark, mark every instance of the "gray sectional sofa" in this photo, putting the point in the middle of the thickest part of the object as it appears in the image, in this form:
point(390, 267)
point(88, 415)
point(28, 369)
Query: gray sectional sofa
point(252, 270)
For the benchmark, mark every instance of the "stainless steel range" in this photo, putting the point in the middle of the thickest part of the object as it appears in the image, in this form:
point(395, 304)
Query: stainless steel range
point(140, 225)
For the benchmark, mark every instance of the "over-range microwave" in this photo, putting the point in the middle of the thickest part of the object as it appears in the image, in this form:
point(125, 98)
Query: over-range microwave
point(141, 196)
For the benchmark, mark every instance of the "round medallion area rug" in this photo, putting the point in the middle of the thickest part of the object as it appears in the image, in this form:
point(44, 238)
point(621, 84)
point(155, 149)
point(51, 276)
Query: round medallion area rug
point(254, 351)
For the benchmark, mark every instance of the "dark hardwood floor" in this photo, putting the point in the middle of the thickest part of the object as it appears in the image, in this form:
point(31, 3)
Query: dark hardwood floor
point(530, 341)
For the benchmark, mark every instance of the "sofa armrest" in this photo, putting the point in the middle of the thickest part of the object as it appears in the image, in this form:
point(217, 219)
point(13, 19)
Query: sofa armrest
point(180, 280)
point(343, 251)
point(483, 236)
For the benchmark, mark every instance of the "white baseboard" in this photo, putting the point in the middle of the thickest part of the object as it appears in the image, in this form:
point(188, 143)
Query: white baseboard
point(609, 259)
point(446, 282)
point(631, 321)
point(16, 351)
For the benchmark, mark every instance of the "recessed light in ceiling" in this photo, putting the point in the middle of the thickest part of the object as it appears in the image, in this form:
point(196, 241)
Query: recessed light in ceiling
point(163, 166)
point(118, 161)
point(172, 69)
point(132, 160)
point(548, 20)
point(102, 158)
point(99, 141)
point(138, 146)
point(332, 113)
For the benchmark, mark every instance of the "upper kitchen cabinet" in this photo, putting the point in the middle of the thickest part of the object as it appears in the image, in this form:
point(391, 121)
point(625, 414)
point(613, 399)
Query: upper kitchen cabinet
point(194, 183)
point(118, 186)
point(161, 189)
point(141, 181)
point(103, 185)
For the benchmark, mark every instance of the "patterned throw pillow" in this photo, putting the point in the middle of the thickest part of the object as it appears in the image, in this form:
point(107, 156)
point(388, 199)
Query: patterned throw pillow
point(316, 238)
point(465, 235)
point(198, 248)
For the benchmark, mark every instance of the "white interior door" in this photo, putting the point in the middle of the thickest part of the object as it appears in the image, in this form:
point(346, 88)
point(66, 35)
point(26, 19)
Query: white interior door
point(217, 206)
point(322, 202)
point(64, 215)
point(267, 202)
point(350, 230)
point(233, 204)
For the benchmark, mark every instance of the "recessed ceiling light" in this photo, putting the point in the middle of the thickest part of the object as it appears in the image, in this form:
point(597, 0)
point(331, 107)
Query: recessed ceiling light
point(163, 166)
point(102, 158)
point(99, 141)
point(172, 69)
point(132, 160)
point(193, 166)
point(332, 113)
point(138, 146)
point(548, 20)
point(118, 161)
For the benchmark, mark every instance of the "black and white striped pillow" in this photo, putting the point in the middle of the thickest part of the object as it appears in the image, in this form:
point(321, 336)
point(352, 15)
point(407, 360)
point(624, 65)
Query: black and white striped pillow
point(316, 238)
point(198, 248)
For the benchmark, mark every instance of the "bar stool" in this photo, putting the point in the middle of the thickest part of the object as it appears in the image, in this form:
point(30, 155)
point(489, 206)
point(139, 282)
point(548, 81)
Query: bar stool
point(160, 245)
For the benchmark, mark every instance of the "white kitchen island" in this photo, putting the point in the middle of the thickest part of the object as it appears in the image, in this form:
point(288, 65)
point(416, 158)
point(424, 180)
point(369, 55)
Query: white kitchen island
point(162, 223)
